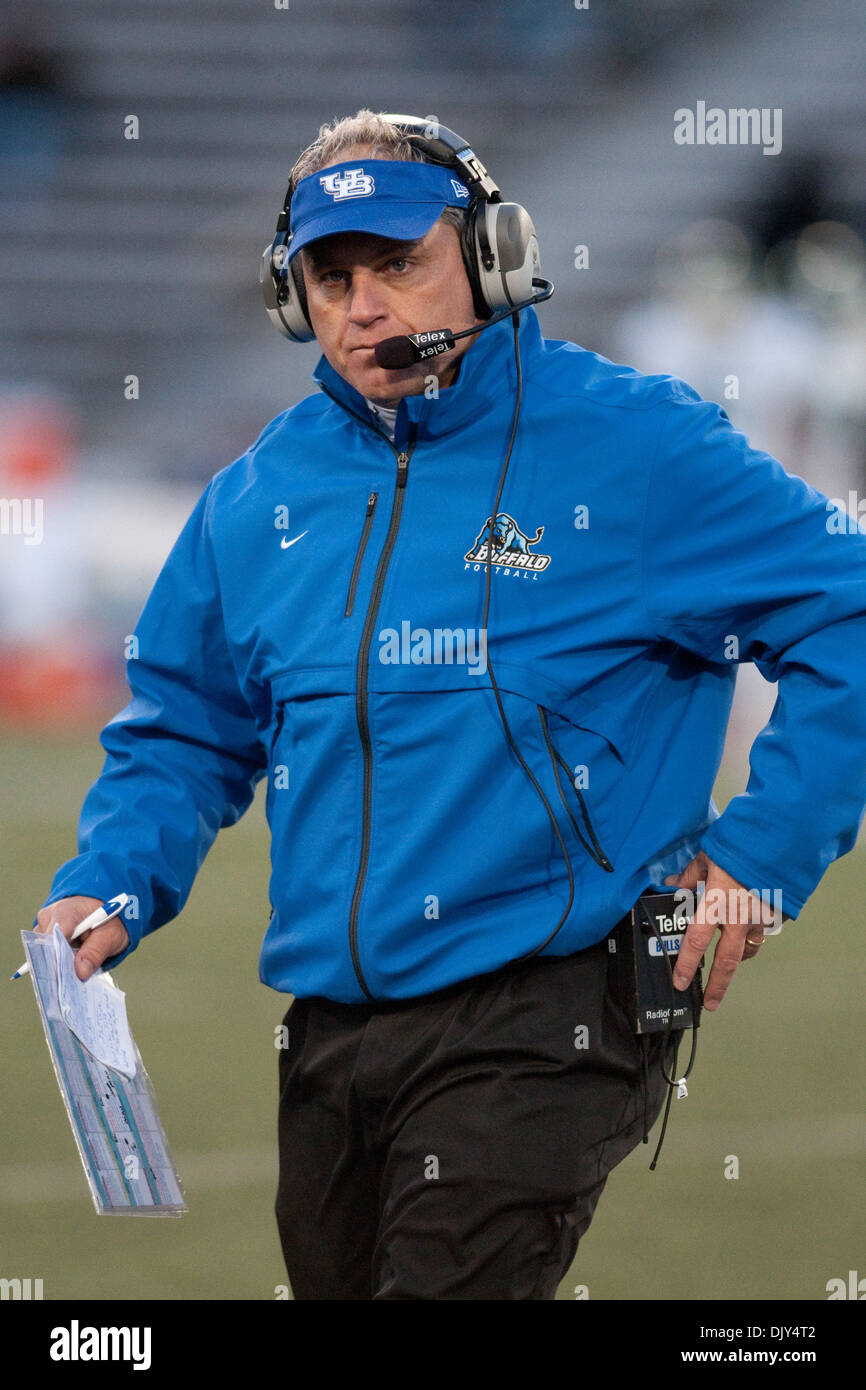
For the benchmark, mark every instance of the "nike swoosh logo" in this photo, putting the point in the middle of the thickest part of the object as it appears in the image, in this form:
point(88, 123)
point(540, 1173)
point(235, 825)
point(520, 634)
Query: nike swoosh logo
point(285, 543)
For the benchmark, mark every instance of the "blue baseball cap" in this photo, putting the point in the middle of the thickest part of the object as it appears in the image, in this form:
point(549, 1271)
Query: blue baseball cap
point(390, 197)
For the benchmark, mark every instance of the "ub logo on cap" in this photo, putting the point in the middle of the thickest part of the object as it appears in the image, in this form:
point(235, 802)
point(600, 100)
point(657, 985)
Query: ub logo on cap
point(348, 183)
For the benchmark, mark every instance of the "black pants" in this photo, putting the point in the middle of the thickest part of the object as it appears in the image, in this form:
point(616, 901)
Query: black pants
point(455, 1146)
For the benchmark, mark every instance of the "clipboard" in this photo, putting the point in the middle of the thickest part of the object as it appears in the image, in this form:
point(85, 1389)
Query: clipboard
point(114, 1118)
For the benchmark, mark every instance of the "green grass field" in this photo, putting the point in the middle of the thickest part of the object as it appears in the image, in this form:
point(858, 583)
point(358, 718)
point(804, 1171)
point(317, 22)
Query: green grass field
point(778, 1083)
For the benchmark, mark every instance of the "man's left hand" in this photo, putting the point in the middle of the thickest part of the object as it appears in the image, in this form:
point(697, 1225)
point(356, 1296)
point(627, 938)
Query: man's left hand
point(739, 915)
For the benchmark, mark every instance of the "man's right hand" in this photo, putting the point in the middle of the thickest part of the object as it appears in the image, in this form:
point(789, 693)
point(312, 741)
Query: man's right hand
point(95, 945)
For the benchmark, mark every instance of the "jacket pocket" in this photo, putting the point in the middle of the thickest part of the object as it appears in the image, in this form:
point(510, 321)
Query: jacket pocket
point(575, 800)
point(313, 810)
point(359, 555)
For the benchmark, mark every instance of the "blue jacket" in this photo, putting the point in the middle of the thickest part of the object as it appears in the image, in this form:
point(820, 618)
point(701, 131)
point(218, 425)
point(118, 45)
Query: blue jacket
point(302, 626)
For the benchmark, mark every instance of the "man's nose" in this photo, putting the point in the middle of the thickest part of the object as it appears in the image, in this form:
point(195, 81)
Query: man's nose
point(366, 299)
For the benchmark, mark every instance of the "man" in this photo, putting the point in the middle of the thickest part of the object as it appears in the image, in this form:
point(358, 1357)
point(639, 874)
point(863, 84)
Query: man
point(478, 619)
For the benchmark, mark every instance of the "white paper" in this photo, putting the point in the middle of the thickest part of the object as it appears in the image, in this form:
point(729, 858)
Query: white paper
point(95, 1011)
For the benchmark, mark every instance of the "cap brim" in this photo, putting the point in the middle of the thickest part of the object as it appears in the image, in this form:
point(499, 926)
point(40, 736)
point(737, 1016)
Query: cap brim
point(401, 222)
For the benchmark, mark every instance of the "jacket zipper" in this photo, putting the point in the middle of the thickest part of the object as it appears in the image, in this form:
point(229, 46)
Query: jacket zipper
point(402, 456)
point(361, 704)
point(363, 666)
point(362, 546)
point(594, 850)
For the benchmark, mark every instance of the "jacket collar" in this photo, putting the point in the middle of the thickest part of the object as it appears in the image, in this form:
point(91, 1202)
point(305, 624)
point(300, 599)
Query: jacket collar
point(487, 370)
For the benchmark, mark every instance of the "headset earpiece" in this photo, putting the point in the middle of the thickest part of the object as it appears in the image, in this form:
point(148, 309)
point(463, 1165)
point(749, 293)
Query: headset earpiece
point(506, 254)
point(285, 293)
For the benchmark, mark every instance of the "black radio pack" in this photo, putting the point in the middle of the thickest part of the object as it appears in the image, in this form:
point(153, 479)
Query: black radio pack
point(642, 948)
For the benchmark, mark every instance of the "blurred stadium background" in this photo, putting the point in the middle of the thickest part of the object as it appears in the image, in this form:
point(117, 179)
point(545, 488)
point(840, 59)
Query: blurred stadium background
point(121, 256)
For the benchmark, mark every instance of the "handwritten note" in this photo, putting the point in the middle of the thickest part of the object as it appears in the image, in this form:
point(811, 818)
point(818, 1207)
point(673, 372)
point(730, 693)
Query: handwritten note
point(95, 1011)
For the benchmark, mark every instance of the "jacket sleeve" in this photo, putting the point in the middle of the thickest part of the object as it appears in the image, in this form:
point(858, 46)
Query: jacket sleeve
point(183, 757)
point(745, 562)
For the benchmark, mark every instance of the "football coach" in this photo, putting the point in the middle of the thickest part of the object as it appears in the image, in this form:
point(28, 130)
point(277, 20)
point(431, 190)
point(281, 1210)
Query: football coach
point(475, 609)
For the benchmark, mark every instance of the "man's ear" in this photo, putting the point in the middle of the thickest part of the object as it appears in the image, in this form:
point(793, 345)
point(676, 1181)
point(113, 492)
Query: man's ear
point(298, 272)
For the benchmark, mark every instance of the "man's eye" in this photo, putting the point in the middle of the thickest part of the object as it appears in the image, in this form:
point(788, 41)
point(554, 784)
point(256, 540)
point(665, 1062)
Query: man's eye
point(332, 277)
point(399, 263)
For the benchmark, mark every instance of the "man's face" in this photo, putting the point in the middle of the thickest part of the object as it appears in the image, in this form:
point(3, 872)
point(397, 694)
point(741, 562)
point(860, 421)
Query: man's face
point(362, 288)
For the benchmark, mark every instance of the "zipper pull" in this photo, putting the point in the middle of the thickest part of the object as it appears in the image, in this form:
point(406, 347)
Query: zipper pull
point(402, 468)
point(371, 502)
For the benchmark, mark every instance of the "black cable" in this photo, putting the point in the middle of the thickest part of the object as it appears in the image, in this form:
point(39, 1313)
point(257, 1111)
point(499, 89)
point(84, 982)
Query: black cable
point(664, 1127)
point(670, 1080)
point(644, 1040)
point(490, 548)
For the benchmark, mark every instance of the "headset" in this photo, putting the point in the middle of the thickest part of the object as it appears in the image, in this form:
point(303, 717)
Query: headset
point(498, 240)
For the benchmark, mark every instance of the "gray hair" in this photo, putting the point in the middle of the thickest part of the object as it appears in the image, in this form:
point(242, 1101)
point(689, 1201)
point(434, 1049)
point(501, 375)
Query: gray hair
point(380, 138)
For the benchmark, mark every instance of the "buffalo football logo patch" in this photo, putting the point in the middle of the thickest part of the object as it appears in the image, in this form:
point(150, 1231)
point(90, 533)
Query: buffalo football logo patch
point(511, 546)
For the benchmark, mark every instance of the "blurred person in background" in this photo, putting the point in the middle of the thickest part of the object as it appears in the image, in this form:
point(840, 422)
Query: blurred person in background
point(773, 324)
point(34, 111)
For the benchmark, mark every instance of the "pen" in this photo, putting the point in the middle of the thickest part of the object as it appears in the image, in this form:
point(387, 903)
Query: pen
point(109, 908)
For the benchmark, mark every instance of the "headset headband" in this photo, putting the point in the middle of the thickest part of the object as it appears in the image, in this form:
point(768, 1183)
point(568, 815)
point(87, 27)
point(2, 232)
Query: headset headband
point(447, 147)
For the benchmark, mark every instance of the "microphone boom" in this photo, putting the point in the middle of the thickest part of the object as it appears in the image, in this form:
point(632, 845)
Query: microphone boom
point(405, 351)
